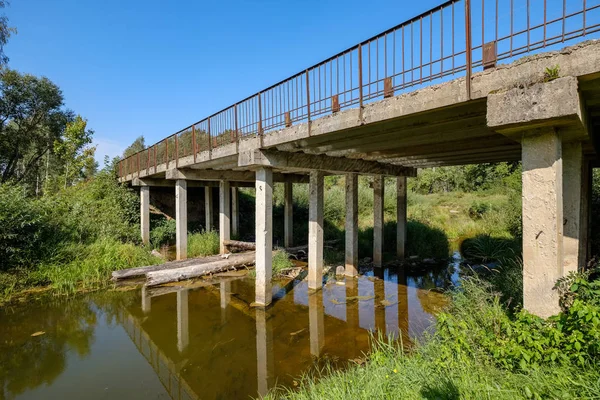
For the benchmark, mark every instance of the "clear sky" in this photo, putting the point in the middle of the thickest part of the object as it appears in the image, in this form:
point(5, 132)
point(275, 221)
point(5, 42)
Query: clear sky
point(134, 67)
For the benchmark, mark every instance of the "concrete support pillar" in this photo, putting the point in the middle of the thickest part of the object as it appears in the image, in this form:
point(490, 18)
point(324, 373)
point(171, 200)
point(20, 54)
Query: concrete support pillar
point(224, 214)
point(585, 244)
point(288, 215)
point(183, 327)
point(572, 194)
point(181, 218)
point(351, 257)
point(401, 217)
point(316, 322)
point(264, 352)
point(264, 235)
point(315, 231)
point(378, 196)
point(145, 213)
point(542, 221)
point(235, 212)
point(208, 209)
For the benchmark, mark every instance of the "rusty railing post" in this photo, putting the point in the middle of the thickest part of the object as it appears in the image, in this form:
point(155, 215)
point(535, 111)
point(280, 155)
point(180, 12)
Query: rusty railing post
point(468, 54)
point(308, 102)
point(148, 162)
point(176, 150)
point(360, 77)
point(139, 166)
point(154, 158)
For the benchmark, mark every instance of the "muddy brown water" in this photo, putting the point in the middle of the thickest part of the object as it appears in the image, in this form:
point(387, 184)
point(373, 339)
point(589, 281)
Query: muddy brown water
point(186, 342)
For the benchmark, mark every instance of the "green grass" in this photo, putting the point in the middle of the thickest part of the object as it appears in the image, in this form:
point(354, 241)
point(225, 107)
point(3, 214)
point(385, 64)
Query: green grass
point(281, 262)
point(203, 244)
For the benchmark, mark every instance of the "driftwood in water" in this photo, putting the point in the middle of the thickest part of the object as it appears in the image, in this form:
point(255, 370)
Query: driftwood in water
point(200, 268)
point(140, 271)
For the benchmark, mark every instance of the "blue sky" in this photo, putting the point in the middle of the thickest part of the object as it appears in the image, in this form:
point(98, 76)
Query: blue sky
point(152, 67)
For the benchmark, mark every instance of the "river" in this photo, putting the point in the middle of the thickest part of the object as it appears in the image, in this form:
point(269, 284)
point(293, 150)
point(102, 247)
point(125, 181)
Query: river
point(203, 340)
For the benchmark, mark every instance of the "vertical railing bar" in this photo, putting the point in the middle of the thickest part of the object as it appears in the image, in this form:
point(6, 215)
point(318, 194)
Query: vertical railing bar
point(147, 162)
point(431, 46)
point(139, 167)
point(441, 42)
point(545, 19)
point(360, 77)
point(237, 133)
point(194, 142)
point(369, 68)
point(528, 24)
point(394, 54)
point(564, 19)
point(167, 153)
point(385, 74)
point(412, 52)
point(403, 57)
point(453, 53)
point(497, 19)
point(584, 16)
point(512, 23)
point(176, 150)
point(421, 50)
point(155, 158)
point(482, 27)
point(468, 45)
point(308, 100)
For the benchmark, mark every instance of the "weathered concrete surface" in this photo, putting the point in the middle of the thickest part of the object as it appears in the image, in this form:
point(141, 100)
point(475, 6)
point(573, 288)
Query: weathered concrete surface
point(315, 231)
point(224, 215)
point(288, 214)
point(556, 103)
point(145, 213)
point(542, 222)
point(378, 209)
point(181, 219)
point(351, 248)
point(316, 322)
point(572, 155)
point(401, 186)
point(264, 235)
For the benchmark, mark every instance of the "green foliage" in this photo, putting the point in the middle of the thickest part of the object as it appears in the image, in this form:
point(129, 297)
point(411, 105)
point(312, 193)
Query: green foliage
point(486, 248)
point(203, 244)
point(595, 239)
point(163, 233)
point(138, 144)
point(551, 73)
point(281, 262)
point(21, 227)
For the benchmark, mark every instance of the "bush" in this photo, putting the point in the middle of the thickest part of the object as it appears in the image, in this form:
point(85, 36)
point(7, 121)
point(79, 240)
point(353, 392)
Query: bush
point(163, 233)
point(203, 244)
point(22, 225)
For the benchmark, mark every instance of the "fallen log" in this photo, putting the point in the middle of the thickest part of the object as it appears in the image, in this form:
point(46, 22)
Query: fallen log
point(154, 278)
point(236, 244)
point(133, 272)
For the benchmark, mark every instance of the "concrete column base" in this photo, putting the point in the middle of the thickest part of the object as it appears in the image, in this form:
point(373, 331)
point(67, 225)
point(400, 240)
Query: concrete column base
point(264, 236)
point(181, 218)
point(315, 231)
point(542, 221)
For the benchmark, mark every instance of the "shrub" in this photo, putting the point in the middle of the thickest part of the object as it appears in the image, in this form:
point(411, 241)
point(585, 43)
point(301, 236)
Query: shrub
point(203, 244)
point(163, 233)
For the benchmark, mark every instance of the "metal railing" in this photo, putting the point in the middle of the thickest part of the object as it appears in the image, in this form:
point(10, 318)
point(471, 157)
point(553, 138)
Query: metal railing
point(431, 47)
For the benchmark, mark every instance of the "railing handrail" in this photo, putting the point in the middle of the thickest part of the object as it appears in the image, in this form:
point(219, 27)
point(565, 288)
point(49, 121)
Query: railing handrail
point(303, 108)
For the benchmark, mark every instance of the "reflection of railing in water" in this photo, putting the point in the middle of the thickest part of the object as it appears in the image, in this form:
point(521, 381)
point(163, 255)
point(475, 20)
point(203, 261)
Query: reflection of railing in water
point(166, 370)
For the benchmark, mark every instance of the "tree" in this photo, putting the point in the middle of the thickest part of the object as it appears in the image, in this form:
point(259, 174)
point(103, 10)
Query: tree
point(138, 144)
point(5, 33)
point(31, 120)
point(71, 149)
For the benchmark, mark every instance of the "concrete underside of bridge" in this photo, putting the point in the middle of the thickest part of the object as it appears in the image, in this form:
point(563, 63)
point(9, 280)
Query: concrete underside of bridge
point(514, 113)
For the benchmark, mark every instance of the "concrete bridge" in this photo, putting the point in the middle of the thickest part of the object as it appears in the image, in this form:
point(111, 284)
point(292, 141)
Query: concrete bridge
point(399, 101)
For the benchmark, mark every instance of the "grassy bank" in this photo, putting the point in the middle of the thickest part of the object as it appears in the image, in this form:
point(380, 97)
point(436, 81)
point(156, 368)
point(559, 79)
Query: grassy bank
point(480, 350)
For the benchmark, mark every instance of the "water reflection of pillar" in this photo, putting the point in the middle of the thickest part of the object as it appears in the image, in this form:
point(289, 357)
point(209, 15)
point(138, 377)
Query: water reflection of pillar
point(403, 316)
point(316, 322)
point(146, 303)
point(379, 306)
point(225, 290)
point(183, 333)
point(352, 309)
point(392, 322)
point(264, 351)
